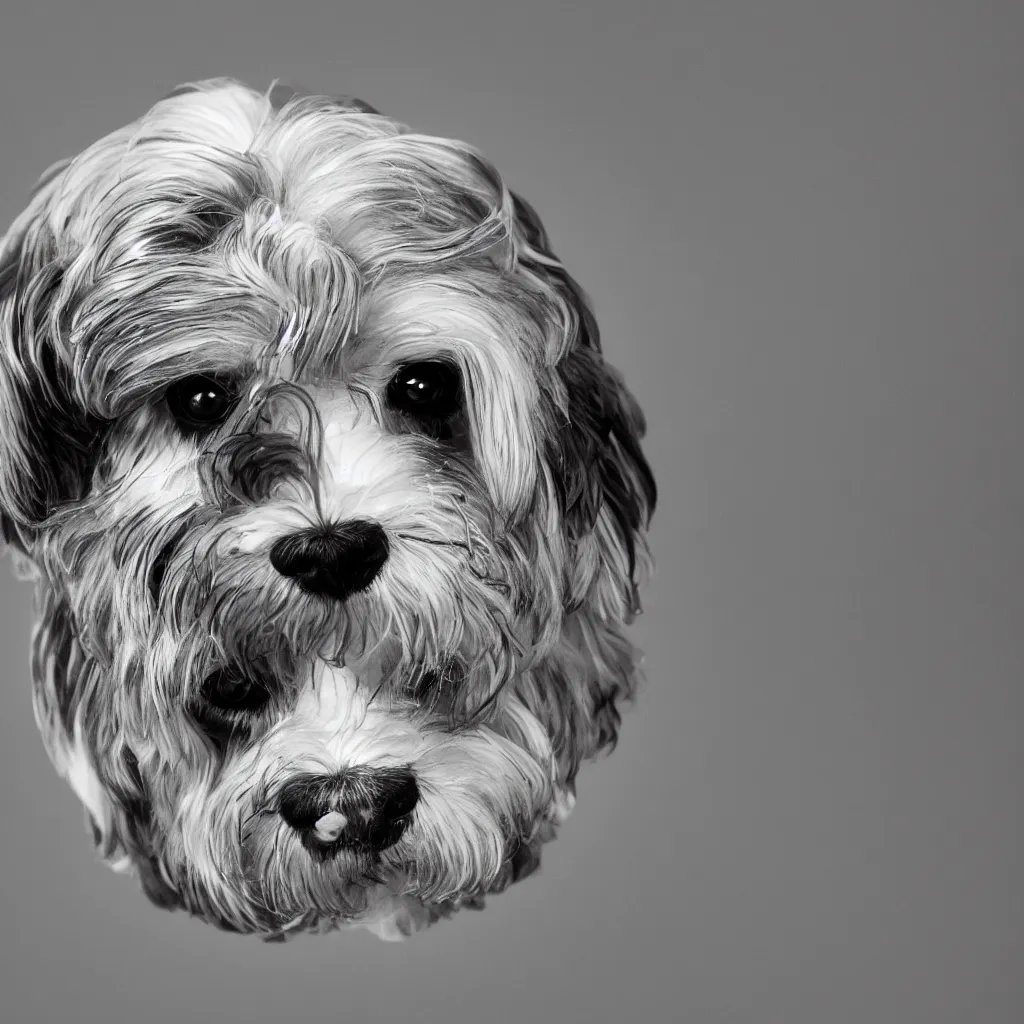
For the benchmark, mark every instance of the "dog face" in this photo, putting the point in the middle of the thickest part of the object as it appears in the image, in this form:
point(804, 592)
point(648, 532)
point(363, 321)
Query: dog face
point(336, 514)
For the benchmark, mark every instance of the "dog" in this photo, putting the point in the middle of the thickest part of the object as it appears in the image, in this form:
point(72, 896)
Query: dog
point(335, 514)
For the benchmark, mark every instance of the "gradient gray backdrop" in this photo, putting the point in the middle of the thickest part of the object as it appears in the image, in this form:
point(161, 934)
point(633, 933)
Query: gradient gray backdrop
point(802, 227)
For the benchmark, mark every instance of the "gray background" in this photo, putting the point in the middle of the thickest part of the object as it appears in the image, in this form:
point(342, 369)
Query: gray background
point(802, 226)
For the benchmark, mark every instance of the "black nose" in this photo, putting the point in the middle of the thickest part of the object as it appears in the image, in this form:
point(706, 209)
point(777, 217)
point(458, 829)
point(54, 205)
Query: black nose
point(335, 562)
point(364, 809)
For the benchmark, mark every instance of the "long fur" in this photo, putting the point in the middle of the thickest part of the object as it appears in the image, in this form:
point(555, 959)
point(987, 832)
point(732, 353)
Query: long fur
point(310, 246)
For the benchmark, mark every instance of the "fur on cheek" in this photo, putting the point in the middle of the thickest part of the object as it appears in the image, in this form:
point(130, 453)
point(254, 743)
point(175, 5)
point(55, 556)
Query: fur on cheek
point(299, 252)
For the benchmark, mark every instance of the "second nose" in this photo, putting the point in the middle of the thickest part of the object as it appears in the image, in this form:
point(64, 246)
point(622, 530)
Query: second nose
point(336, 561)
point(361, 808)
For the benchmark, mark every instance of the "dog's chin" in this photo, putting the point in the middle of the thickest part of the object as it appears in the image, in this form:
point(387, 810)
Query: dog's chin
point(285, 888)
point(487, 801)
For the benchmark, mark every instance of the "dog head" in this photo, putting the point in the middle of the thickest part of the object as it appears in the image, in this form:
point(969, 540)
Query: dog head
point(336, 514)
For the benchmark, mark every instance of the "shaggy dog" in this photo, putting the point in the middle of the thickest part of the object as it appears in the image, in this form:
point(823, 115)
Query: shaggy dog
point(336, 515)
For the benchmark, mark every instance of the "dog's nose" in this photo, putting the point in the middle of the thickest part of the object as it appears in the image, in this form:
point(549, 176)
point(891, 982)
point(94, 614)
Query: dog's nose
point(362, 808)
point(337, 561)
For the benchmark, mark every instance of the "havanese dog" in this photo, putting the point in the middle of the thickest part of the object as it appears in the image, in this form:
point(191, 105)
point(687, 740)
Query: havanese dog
point(336, 516)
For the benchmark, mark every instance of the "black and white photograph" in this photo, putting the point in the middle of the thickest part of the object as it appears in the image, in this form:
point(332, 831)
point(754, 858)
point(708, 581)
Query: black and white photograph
point(511, 513)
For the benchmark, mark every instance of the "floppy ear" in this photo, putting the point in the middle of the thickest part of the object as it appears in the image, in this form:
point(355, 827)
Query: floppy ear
point(46, 440)
point(606, 495)
point(604, 484)
point(111, 790)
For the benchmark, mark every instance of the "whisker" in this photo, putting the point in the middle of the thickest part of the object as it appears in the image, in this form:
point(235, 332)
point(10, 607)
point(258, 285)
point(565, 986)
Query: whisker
point(480, 573)
point(435, 541)
point(376, 693)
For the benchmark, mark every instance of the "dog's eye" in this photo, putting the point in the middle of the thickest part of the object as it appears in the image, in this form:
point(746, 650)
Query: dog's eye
point(229, 690)
point(227, 701)
point(430, 392)
point(200, 403)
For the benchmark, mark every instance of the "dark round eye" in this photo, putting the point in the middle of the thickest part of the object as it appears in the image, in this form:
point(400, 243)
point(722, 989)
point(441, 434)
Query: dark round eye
point(428, 391)
point(227, 703)
point(200, 403)
point(229, 690)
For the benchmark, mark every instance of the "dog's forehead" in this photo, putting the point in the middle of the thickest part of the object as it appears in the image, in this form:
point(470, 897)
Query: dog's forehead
point(212, 317)
point(194, 268)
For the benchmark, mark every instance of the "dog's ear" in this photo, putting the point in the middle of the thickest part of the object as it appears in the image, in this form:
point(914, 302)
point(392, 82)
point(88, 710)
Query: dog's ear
point(606, 495)
point(111, 790)
point(608, 490)
point(45, 442)
point(605, 486)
